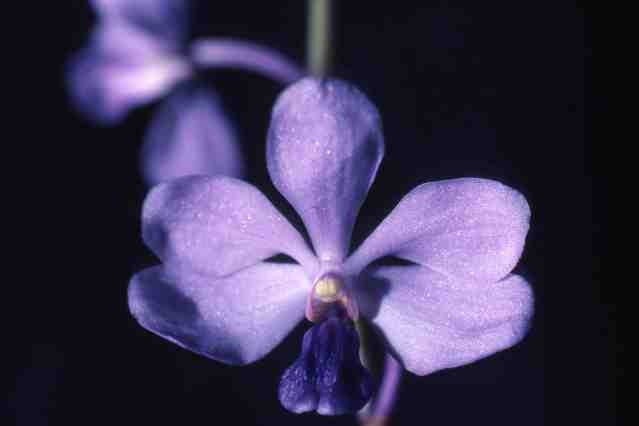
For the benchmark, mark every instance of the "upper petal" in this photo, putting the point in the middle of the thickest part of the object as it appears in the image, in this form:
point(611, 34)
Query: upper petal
point(166, 19)
point(473, 229)
point(190, 135)
point(128, 43)
point(216, 226)
point(237, 319)
point(433, 321)
point(324, 146)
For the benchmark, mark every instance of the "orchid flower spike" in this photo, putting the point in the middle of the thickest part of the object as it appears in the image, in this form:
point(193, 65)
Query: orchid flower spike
point(140, 52)
point(217, 294)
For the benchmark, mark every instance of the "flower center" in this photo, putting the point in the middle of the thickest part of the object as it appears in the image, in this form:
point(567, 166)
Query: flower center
point(330, 296)
point(328, 288)
point(328, 376)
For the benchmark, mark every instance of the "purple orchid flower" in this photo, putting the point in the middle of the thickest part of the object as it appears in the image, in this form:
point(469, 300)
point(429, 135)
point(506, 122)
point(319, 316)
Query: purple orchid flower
point(138, 53)
point(217, 293)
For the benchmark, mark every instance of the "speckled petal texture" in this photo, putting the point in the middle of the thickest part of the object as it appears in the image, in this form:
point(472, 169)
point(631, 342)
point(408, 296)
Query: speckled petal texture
point(216, 226)
point(236, 320)
point(190, 135)
point(472, 229)
point(433, 321)
point(120, 69)
point(324, 147)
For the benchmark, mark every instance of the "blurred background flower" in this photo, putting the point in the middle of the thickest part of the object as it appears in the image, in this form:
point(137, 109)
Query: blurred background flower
point(138, 53)
point(190, 134)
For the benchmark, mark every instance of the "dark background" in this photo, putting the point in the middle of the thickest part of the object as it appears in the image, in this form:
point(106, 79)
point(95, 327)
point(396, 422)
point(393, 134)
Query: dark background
point(465, 88)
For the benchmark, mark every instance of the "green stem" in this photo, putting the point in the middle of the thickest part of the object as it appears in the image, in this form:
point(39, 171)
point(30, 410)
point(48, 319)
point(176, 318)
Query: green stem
point(371, 357)
point(319, 37)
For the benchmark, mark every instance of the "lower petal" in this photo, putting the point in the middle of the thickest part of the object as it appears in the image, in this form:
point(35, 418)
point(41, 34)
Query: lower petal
point(432, 321)
point(328, 377)
point(236, 320)
point(190, 135)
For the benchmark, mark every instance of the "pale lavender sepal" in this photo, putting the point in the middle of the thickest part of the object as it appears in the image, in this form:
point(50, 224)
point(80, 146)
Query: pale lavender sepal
point(190, 134)
point(236, 320)
point(127, 42)
point(120, 69)
point(324, 147)
point(166, 19)
point(472, 229)
point(216, 226)
point(433, 321)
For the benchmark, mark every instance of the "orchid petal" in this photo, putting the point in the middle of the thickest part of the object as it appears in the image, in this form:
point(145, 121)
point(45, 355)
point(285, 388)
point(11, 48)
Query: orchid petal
point(324, 147)
point(216, 226)
point(328, 376)
point(472, 229)
point(236, 320)
point(167, 19)
point(119, 70)
point(128, 43)
point(433, 321)
point(190, 135)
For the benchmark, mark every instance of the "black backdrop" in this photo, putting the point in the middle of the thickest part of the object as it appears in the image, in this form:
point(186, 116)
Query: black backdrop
point(465, 88)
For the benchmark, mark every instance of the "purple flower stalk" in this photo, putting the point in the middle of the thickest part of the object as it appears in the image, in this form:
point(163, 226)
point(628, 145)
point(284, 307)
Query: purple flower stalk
point(217, 294)
point(138, 53)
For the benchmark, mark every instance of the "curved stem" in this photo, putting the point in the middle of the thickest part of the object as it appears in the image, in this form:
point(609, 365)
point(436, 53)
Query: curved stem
point(229, 53)
point(387, 394)
point(381, 364)
point(319, 37)
point(380, 409)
